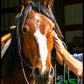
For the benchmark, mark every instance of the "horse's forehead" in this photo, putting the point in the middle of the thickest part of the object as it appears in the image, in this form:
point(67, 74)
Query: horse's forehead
point(35, 15)
point(36, 20)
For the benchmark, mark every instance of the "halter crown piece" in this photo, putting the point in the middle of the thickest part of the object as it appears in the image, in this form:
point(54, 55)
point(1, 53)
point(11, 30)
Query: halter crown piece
point(19, 52)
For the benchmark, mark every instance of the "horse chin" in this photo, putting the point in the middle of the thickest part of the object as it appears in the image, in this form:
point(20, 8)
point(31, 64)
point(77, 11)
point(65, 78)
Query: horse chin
point(43, 82)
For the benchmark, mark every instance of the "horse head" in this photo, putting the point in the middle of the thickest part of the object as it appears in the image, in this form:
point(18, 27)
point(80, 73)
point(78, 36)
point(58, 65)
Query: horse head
point(34, 31)
point(37, 43)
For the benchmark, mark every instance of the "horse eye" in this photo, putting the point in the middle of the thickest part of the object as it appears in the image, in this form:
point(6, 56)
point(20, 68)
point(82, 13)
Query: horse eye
point(53, 28)
point(24, 30)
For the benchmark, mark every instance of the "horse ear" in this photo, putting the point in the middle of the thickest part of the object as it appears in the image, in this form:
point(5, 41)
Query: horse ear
point(45, 2)
point(23, 4)
point(27, 2)
point(50, 3)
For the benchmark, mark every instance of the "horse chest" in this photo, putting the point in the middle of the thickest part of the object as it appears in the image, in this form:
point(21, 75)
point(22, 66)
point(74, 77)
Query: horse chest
point(17, 75)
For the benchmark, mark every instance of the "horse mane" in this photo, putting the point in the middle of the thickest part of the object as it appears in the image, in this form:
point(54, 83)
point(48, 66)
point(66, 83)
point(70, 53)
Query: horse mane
point(12, 55)
point(40, 8)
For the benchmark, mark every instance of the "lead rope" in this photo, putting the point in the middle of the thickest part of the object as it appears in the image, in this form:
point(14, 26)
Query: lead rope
point(23, 70)
point(27, 64)
point(64, 72)
point(22, 60)
point(68, 76)
point(22, 63)
point(55, 72)
point(19, 52)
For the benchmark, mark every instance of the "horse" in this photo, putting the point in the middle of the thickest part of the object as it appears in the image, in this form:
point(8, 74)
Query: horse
point(27, 59)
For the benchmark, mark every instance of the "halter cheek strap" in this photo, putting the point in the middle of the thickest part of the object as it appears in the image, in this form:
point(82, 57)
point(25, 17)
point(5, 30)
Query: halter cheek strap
point(19, 45)
point(22, 60)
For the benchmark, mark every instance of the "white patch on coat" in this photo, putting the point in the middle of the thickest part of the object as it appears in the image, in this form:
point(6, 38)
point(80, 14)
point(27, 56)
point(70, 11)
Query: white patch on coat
point(37, 18)
point(42, 42)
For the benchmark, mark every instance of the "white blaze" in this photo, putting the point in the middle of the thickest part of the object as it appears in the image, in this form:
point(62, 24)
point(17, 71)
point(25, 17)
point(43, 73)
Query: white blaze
point(37, 17)
point(41, 40)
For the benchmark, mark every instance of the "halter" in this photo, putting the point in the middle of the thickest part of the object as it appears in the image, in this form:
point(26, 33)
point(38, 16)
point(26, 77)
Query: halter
point(19, 47)
point(22, 60)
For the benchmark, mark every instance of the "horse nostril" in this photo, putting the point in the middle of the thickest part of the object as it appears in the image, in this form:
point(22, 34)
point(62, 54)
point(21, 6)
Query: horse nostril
point(37, 72)
point(52, 71)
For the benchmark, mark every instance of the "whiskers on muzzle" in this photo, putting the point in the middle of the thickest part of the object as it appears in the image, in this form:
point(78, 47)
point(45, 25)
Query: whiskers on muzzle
point(43, 78)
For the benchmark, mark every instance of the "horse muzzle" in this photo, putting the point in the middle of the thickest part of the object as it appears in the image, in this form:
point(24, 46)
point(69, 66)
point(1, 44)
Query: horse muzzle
point(43, 78)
